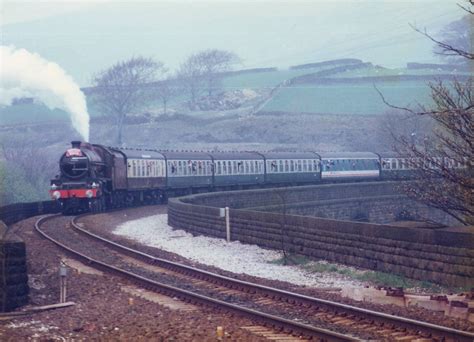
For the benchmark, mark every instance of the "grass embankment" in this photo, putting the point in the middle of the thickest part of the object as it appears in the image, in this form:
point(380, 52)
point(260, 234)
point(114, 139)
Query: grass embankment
point(373, 277)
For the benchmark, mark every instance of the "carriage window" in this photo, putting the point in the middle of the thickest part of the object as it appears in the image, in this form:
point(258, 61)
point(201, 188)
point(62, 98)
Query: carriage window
point(224, 168)
point(287, 166)
point(246, 167)
point(292, 166)
point(305, 165)
point(300, 167)
point(280, 166)
point(251, 169)
point(219, 168)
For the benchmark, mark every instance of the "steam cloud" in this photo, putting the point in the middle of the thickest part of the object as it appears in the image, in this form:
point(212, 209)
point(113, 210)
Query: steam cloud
point(26, 74)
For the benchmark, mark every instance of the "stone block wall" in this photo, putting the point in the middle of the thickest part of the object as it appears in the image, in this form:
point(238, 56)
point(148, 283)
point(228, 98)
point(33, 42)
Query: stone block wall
point(376, 209)
point(444, 256)
point(13, 273)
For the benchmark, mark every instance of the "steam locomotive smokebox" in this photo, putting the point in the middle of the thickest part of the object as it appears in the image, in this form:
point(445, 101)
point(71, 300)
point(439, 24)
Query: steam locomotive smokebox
point(13, 275)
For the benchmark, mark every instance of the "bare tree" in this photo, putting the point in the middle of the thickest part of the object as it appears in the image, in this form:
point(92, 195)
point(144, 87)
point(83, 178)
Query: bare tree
point(165, 90)
point(444, 160)
point(124, 87)
point(455, 34)
point(456, 41)
point(190, 75)
point(203, 71)
point(216, 62)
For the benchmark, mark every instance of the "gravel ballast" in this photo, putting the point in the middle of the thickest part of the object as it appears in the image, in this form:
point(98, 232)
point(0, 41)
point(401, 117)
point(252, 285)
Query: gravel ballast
point(231, 256)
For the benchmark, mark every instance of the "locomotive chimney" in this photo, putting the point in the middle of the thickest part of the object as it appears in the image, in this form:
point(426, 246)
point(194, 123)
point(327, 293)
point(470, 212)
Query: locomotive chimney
point(76, 144)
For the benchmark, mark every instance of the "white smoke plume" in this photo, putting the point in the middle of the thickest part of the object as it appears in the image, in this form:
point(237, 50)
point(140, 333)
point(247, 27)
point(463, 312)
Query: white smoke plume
point(26, 74)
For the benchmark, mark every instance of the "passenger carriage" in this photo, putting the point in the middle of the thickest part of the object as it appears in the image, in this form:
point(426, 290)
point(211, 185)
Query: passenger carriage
point(238, 168)
point(292, 167)
point(187, 170)
point(350, 165)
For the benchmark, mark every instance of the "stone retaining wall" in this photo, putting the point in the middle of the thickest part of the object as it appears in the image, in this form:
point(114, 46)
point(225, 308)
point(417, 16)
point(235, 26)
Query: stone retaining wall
point(444, 256)
point(13, 274)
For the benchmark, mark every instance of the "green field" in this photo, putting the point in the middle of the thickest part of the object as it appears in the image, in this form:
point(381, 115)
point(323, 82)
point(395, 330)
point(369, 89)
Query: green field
point(348, 98)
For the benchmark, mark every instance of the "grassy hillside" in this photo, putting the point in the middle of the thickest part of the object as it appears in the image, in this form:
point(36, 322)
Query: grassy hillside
point(347, 98)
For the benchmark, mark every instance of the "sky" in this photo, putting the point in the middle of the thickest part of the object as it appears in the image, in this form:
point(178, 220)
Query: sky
point(85, 37)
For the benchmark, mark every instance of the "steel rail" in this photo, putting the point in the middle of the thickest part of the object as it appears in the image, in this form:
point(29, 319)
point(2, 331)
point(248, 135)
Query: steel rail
point(271, 320)
point(406, 323)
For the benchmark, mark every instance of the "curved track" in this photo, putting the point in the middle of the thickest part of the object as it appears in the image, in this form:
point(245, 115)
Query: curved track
point(339, 317)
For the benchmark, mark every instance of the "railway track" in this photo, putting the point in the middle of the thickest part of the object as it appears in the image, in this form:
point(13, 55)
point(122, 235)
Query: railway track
point(295, 313)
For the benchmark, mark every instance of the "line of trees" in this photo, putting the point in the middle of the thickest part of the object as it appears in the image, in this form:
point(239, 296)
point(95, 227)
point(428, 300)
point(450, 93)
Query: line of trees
point(125, 87)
